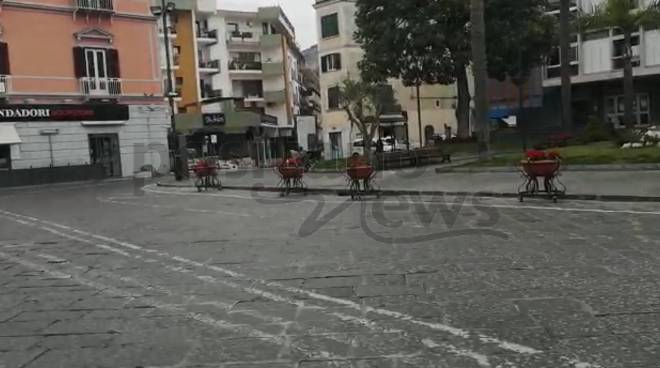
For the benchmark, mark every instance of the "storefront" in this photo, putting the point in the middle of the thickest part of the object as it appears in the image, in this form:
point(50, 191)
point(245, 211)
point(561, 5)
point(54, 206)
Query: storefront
point(78, 142)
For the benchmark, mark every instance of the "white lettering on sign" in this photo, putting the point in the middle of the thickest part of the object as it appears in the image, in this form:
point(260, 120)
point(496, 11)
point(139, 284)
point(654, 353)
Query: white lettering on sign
point(24, 113)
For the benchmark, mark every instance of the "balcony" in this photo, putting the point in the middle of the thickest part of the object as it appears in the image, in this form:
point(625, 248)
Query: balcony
point(210, 66)
point(270, 41)
point(245, 67)
point(271, 69)
point(206, 36)
point(98, 6)
point(242, 38)
point(209, 92)
point(4, 85)
point(276, 97)
point(100, 87)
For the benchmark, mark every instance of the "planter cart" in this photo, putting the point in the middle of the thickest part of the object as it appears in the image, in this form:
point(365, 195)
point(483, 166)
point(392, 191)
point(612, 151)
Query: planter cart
point(361, 181)
point(207, 176)
point(535, 171)
point(291, 179)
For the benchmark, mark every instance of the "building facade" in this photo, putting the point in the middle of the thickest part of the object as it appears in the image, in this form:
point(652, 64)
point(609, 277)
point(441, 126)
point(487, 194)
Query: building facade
point(339, 55)
point(250, 58)
point(597, 68)
point(80, 88)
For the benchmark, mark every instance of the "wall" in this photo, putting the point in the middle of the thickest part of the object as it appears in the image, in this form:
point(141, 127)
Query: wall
point(71, 145)
point(187, 41)
point(54, 33)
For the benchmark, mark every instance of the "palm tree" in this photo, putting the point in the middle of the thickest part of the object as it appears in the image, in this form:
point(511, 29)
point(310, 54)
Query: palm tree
point(480, 68)
point(625, 16)
point(565, 48)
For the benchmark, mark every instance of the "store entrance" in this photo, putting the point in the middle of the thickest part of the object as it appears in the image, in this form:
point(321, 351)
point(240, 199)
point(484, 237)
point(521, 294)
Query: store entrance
point(104, 151)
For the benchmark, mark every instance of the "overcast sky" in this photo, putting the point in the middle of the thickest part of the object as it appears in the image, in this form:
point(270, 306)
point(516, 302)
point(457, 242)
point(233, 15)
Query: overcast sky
point(300, 12)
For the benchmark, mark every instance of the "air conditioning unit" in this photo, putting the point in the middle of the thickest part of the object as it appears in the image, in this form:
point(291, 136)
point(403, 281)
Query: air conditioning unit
point(249, 24)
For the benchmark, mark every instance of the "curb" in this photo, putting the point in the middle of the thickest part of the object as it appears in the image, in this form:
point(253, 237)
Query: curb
point(398, 192)
point(574, 168)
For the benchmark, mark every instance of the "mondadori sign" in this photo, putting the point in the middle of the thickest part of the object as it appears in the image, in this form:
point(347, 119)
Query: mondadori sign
point(24, 113)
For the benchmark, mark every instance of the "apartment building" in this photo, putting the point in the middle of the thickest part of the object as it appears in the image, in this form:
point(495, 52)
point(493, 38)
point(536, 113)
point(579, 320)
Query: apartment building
point(339, 55)
point(80, 90)
point(597, 73)
point(250, 58)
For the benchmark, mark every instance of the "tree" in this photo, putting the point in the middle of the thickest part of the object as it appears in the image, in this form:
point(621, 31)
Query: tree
point(625, 16)
point(565, 61)
point(364, 103)
point(405, 40)
point(480, 68)
point(523, 44)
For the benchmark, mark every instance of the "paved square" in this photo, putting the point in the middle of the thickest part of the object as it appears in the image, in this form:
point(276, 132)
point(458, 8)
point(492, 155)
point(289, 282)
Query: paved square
point(111, 276)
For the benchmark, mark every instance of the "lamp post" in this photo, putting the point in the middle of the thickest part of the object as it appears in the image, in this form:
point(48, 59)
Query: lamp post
point(163, 10)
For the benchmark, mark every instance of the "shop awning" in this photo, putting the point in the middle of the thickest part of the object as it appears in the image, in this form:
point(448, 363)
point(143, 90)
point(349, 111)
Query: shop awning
point(8, 134)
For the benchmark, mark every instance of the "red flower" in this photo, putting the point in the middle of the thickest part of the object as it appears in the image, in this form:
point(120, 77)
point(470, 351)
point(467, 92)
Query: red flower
point(534, 155)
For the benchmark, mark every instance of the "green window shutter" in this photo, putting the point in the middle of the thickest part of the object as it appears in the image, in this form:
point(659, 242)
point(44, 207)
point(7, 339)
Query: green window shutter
point(329, 26)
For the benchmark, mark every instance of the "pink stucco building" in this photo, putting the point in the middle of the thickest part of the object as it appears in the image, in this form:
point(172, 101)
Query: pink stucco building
point(80, 86)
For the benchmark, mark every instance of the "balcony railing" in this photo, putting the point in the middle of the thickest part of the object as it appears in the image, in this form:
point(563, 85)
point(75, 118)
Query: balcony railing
point(205, 33)
point(4, 84)
point(211, 64)
point(245, 65)
point(90, 86)
point(95, 5)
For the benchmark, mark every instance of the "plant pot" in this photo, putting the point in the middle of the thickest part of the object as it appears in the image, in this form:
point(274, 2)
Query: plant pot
point(542, 168)
point(360, 172)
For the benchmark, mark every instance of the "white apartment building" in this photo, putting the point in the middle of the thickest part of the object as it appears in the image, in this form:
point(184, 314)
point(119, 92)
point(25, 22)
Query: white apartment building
point(339, 55)
point(249, 57)
point(260, 62)
point(597, 68)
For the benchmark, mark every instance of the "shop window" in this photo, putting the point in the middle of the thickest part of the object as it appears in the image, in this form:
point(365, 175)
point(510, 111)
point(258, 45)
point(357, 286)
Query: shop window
point(333, 98)
point(5, 157)
point(330, 26)
point(615, 108)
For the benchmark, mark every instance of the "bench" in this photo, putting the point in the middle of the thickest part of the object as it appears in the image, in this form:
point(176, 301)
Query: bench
point(412, 158)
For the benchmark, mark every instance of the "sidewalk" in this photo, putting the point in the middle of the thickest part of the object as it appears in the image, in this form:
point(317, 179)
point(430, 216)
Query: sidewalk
point(605, 185)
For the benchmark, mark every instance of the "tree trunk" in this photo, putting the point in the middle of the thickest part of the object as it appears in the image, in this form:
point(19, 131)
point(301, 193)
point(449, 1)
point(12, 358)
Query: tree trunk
point(520, 119)
point(463, 102)
point(565, 50)
point(628, 83)
point(419, 116)
point(480, 68)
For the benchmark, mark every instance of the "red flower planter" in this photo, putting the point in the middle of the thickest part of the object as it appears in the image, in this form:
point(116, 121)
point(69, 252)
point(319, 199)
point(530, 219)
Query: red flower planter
point(203, 170)
point(542, 168)
point(291, 172)
point(360, 172)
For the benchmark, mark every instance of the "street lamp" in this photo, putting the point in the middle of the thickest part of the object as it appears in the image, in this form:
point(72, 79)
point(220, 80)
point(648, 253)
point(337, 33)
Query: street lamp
point(164, 10)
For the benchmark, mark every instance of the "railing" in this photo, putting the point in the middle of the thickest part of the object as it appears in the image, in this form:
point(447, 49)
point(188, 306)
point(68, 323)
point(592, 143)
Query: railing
point(98, 5)
point(205, 33)
point(4, 84)
point(212, 64)
point(245, 65)
point(90, 86)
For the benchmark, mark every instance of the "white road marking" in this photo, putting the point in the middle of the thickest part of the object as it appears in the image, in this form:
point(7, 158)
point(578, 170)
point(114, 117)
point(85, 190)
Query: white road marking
point(506, 345)
point(149, 189)
point(199, 317)
point(113, 200)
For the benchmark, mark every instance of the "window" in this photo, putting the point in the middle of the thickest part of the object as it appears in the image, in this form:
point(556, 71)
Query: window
point(333, 98)
point(619, 51)
point(615, 108)
point(5, 157)
point(330, 26)
point(4, 59)
point(331, 63)
point(96, 63)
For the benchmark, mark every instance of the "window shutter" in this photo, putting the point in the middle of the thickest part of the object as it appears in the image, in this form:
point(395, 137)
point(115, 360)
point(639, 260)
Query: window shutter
point(324, 64)
point(4, 59)
point(79, 64)
point(113, 63)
